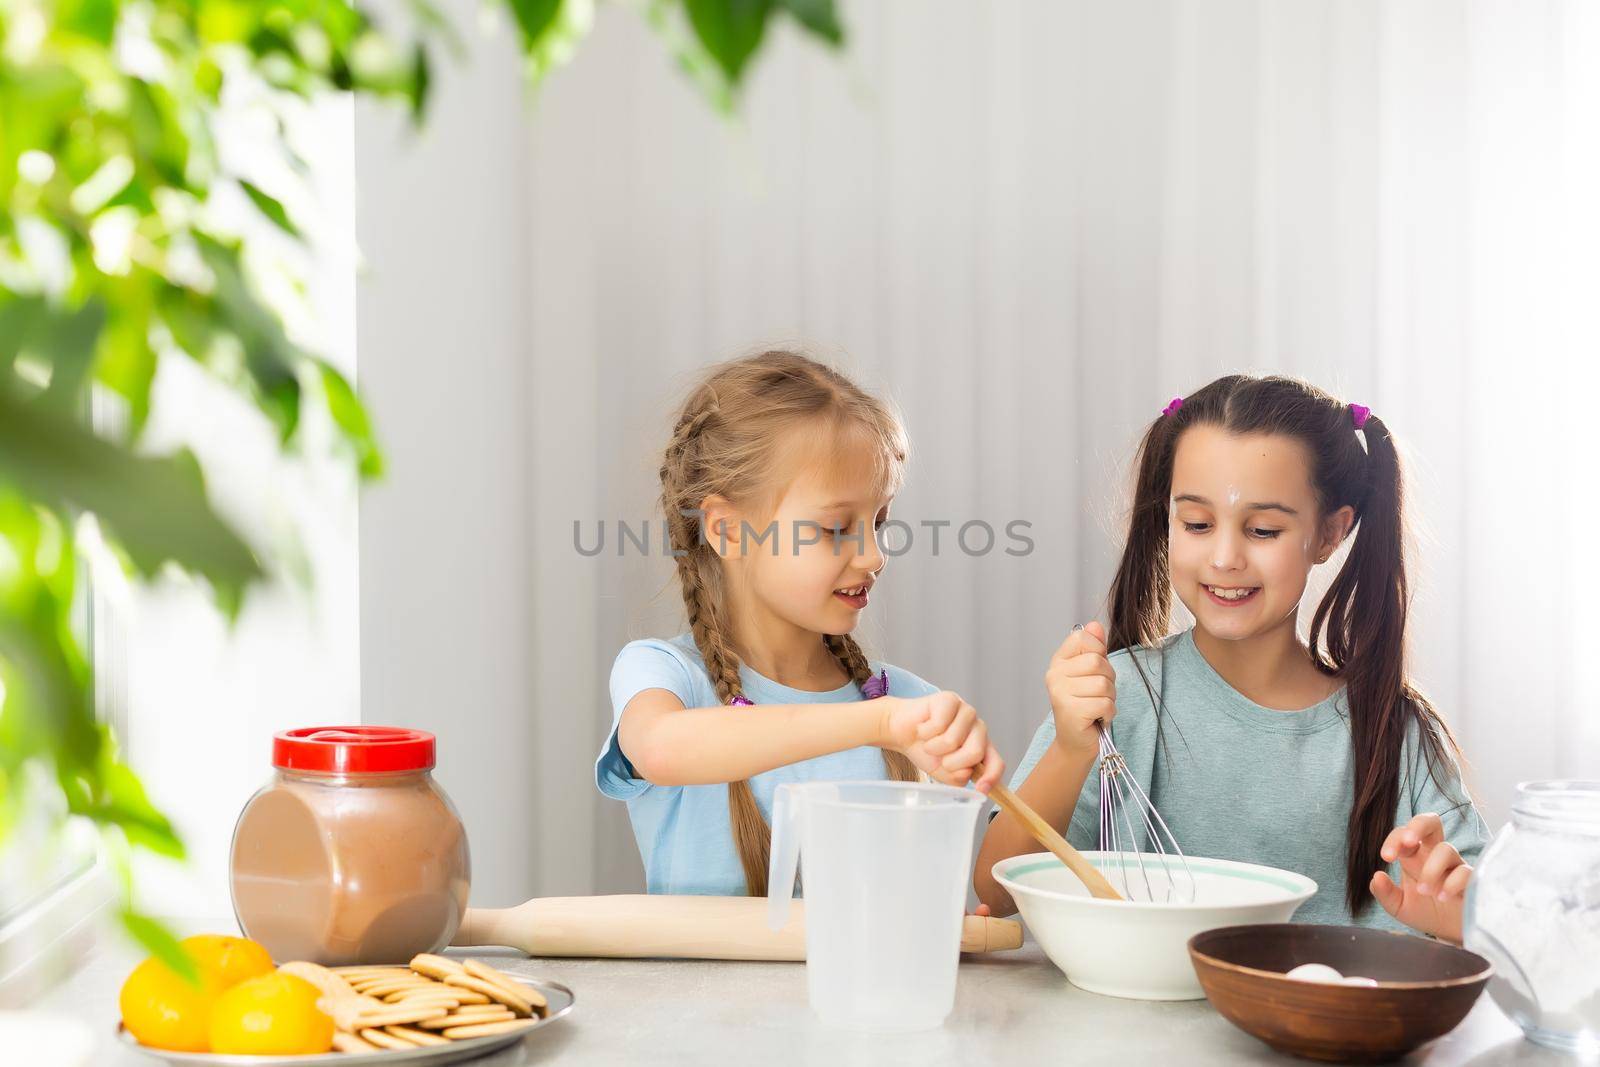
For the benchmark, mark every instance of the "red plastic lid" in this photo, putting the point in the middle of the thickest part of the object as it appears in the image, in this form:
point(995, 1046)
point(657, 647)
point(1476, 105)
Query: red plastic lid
point(353, 749)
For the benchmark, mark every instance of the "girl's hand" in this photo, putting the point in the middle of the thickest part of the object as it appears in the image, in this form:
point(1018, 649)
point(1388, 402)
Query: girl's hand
point(942, 735)
point(1433, 878)
point(1083, 691)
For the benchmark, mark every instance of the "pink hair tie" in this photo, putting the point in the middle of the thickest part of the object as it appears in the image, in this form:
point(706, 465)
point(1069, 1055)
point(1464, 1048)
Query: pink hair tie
point(1177, 402)
point(1359, 413)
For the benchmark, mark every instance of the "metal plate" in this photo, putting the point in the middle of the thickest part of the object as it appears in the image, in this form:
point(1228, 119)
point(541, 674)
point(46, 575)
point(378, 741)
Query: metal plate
point(560, 999)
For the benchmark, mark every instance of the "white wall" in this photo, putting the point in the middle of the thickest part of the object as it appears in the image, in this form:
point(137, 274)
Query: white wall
point(445, 591)
point(1031, 224)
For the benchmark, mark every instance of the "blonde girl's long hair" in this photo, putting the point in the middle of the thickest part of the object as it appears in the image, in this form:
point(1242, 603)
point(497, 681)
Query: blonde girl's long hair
point(732, 438)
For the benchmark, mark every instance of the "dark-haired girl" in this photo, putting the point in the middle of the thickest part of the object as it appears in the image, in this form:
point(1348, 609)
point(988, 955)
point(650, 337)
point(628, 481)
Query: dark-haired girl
point(1313, 753)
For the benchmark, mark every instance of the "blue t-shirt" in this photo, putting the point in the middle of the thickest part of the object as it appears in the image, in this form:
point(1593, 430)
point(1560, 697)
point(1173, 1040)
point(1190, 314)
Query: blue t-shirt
point(684, 834)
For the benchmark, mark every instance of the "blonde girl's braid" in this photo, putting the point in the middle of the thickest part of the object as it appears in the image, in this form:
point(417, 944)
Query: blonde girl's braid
point(727, 429)
point(700, 580)
point(699, 576)
point(702, 598)
point(854, 661)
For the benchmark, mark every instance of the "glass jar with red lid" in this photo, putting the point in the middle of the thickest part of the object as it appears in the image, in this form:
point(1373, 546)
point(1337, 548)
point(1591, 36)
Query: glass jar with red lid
point(351, 853)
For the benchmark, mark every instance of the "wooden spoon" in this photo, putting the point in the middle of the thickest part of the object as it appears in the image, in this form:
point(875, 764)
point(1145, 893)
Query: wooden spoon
point(1046, 835)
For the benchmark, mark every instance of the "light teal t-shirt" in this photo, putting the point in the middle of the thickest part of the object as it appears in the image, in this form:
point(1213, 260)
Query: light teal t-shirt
point(1238, 781)
point(685, 837)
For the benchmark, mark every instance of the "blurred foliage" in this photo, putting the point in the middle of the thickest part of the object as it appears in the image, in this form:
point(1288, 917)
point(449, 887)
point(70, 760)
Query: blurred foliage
point(118, 251)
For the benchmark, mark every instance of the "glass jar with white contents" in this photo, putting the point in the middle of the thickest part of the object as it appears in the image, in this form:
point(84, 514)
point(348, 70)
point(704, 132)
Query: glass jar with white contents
point(1533, 909)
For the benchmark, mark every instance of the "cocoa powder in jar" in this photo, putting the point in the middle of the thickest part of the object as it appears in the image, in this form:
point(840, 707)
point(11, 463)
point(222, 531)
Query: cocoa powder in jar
point(352, 853)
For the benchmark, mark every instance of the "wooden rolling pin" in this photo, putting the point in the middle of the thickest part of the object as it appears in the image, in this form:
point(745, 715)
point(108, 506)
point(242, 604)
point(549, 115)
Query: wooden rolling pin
point(674, 927)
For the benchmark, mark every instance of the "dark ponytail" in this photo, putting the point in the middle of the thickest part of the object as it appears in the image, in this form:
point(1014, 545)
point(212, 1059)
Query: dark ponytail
point(1358, 633)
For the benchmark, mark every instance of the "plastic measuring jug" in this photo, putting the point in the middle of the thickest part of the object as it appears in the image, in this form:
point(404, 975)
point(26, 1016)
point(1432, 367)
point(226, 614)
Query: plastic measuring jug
point(885, 872)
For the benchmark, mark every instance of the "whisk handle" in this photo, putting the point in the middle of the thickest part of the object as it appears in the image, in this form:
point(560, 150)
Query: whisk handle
point(1046, 835)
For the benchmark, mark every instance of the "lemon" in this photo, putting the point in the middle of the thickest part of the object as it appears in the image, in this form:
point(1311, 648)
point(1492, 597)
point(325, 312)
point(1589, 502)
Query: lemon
point(228, 960)
point(270, 1015)
point(164, 1011)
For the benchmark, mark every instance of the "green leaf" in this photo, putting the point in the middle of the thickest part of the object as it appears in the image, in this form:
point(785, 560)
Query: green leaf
point(558, 40)
point(192, 320)
point(208, 79)
point(350, 415)
point(125, 805)
point(105, 790)
point(127, 363)
point(730, 30)
point(224, 21)
point(67, 339)
point(534, 19)
point(421, 84)
point(269, 356)
point(279, 398)
point(45, 676)
point(19, 319)
point(161, 943)
point(94, 19)
point(818, 16)
point(158, 139)
point(270, 207)
point(154, 507)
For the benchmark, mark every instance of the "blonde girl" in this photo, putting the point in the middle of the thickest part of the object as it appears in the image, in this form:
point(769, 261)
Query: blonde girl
point(778, 476)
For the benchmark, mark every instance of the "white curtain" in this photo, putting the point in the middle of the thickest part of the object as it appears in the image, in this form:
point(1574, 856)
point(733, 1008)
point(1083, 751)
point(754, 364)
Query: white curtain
point(1032, 224)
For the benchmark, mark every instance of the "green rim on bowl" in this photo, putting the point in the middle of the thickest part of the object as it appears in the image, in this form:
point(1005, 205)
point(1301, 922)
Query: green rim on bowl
point(1288, 881)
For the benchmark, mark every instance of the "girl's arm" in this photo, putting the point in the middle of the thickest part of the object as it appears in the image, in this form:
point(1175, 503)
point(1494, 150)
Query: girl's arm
point(1083, 697)
point(1051, 790)
point(669, 744)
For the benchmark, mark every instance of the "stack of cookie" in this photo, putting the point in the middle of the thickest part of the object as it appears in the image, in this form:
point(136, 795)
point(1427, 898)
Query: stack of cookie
point(433, 1001)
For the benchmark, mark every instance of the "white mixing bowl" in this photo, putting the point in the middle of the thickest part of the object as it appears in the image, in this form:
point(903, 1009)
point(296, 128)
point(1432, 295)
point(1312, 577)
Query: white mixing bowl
point(1139, 948)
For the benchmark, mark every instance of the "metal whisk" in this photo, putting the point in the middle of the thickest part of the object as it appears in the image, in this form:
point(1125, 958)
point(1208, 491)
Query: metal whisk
point(1119, 834)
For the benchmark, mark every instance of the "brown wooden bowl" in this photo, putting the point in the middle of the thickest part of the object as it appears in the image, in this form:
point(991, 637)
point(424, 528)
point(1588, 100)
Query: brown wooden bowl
point(1425, 988)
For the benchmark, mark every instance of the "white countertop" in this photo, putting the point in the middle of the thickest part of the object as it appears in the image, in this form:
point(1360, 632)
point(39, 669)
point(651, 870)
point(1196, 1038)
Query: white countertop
point(1012, 1007)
